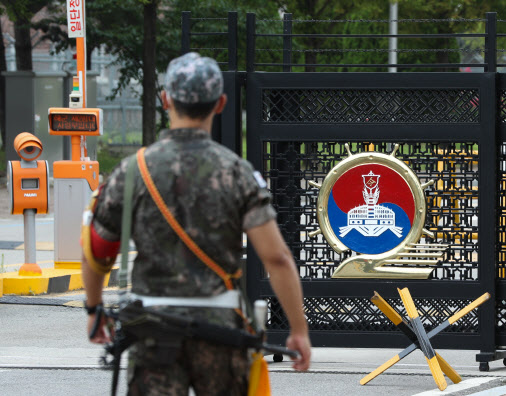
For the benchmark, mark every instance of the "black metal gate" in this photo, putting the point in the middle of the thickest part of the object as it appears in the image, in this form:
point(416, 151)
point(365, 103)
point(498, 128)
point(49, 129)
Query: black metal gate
point(451, 129)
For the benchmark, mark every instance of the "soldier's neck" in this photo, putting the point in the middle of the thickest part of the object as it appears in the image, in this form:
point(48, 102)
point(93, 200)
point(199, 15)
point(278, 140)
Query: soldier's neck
point(205, 124)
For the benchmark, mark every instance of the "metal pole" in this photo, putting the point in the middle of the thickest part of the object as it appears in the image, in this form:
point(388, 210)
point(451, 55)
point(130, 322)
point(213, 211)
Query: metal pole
point(250, 42)
point(491, 43)
point(185, 32)
point(67, 81)
point(287, 42)
point(29, 223)
point(81, 59)
point(392, 41)
point(232, 41)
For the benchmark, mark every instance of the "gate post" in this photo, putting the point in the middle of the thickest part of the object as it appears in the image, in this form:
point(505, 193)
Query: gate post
point(488, 198)
point(185, 32)
point(227, 128)
point(487, 223)
point(250, 42)
point(232, 41)
point(491, 42)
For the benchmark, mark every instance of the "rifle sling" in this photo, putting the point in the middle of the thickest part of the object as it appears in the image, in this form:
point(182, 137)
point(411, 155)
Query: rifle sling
point(145, 322)
point(139, 322)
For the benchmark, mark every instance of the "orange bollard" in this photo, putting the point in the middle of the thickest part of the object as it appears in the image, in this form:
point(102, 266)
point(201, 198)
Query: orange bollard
point(29, 193)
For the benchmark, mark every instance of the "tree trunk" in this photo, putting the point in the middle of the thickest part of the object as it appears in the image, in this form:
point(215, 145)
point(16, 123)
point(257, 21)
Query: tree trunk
point(3, 67)
point(23, 44)
point(89, 52)
point(444, 57)
point(149, 75)
point(310, 58)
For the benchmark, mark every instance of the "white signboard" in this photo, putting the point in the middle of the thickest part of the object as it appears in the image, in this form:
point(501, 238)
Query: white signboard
point(75, 18)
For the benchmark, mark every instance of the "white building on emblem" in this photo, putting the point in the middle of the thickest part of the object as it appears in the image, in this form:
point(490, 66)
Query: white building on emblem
point(371, 220)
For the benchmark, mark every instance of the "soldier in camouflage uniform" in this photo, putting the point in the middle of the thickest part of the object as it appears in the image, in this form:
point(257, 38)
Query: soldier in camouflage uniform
point(215, 196)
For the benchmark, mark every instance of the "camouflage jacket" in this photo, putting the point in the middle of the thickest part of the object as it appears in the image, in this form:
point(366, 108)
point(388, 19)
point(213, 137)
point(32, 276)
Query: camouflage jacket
point(214, 195)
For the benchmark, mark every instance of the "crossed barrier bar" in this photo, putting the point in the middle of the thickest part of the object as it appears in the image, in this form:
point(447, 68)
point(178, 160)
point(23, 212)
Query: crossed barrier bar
point(414, 330)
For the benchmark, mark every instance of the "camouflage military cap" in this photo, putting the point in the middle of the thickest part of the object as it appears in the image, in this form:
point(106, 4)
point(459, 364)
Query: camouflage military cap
point(194, 79)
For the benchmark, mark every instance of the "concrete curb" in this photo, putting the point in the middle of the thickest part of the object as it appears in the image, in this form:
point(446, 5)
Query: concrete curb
point(51, 281)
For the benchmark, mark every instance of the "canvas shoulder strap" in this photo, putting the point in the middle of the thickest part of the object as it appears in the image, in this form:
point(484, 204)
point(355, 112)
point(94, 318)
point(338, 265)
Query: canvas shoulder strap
point(126, 221)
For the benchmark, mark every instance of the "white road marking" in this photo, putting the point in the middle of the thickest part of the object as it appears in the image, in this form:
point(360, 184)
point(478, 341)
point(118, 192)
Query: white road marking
point(470, 383)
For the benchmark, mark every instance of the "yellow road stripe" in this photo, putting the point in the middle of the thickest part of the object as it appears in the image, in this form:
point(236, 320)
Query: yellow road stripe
point(38, 246)
point(50, 261)
point(38, 262)
point(75, 304)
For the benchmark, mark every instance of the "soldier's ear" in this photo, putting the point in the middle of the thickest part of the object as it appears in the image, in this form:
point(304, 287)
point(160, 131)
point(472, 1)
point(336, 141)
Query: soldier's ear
point(165, 101)
point(220, 104)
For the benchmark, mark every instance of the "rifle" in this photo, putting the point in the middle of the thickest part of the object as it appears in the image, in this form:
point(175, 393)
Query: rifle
point(136, 322)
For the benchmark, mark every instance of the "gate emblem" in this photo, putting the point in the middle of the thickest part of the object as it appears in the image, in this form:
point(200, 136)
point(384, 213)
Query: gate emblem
point(374, 205)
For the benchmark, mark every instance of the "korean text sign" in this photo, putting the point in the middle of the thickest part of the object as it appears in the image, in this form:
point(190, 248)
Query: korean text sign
point(75, 18)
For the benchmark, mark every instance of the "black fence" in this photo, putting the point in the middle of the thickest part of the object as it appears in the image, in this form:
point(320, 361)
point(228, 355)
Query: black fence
point(285, 44)
point(451, 129)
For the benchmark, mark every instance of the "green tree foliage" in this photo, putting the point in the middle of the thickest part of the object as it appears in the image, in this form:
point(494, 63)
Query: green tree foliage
point(21, 13)
point(127, 29)
point(461, 16)
point(120, 26)
point(317, 17)
point(369, 17)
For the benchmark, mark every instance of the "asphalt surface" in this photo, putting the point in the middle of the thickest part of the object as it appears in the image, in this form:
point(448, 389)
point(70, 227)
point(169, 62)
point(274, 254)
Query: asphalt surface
point(44, 351)
point(44, 348)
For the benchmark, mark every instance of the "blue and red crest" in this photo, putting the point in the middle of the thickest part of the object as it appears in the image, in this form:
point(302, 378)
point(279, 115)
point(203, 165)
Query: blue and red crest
point(371, 208)
point(374, 204)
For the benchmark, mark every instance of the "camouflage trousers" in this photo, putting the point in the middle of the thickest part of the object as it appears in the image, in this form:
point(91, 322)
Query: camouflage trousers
point(210, 369)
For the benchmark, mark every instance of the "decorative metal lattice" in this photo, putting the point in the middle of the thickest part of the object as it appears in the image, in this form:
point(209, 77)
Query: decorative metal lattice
point(501, 213)
point(501, 315)
point(361, 315)
point(371, 106)
point(502, 106)
point(452, 202)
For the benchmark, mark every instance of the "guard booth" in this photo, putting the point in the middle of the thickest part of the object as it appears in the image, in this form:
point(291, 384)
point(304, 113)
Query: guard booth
point(450, 127)
point(74, 180)
point(77, 178)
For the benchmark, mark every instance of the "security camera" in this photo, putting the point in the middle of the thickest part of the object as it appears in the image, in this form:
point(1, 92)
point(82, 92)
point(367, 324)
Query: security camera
point(76, 100)
point(28, 147)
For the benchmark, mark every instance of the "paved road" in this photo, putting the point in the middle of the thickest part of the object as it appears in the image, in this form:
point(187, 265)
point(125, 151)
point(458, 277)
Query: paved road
point(97, 382)
point(44, 348)
point(44, 351)
point(12, 255)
